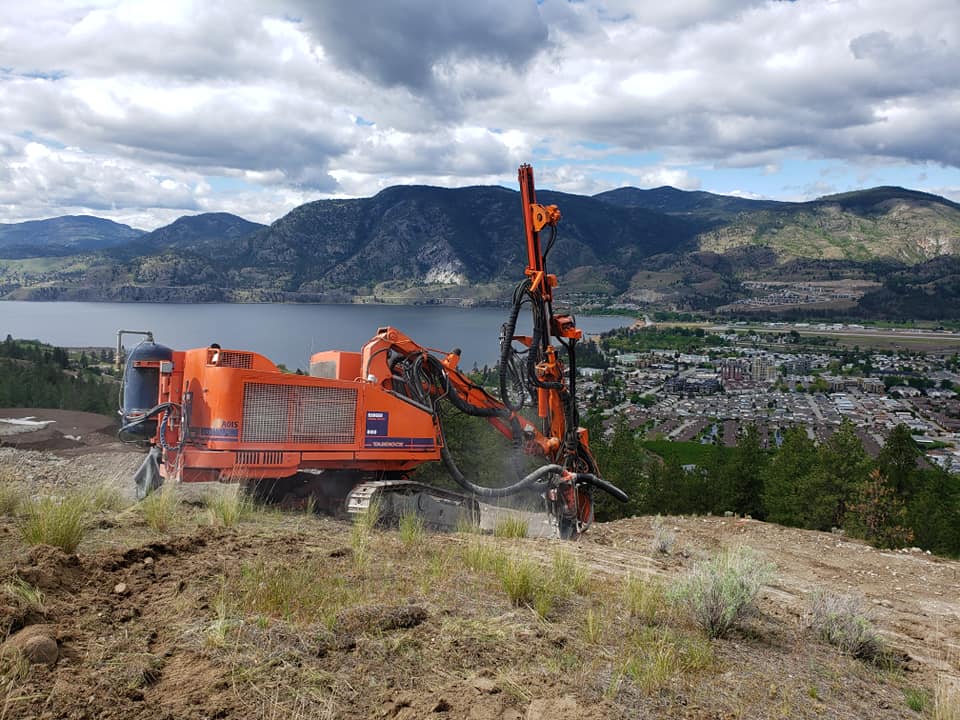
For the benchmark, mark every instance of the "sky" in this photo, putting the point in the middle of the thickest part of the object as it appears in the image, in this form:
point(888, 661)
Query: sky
point(143, 111)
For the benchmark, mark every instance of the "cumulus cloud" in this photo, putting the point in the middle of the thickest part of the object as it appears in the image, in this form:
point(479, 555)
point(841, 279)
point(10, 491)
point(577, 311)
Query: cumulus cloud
point(408, 43)
point(110, 101)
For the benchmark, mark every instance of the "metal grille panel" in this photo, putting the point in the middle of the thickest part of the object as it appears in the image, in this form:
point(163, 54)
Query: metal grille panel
point(233, 359)
point(229, 358)
point(254, 457)
point(292, 414)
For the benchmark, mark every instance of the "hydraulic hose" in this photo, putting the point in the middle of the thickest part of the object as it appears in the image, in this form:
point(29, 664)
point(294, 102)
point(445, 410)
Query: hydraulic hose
point(147, 415)
point(500, 492)
point(506, 345)
point(525, 482)
point(600, 483)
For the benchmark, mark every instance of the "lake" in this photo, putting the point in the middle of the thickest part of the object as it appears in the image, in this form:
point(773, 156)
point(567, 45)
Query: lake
point(285, 333)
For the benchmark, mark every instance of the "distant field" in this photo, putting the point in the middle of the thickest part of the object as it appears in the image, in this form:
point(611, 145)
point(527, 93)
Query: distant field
point(684, 453)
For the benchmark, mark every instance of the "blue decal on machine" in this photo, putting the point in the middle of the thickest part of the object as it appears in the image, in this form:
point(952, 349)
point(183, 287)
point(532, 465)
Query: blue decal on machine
point(377, 421)
point(398, 443)
point(220, 432)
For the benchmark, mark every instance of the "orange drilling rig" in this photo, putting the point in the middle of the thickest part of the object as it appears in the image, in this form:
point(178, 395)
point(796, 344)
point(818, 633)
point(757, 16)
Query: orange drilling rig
point(350, 431)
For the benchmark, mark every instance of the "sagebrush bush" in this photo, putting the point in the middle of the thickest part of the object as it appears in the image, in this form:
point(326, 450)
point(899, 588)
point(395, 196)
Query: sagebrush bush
point(664, 539)
point(60, 522)
point(841, 621)
point(719, 593)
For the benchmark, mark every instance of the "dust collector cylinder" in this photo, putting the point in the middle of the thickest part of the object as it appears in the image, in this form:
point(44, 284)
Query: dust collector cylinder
point(141, 387)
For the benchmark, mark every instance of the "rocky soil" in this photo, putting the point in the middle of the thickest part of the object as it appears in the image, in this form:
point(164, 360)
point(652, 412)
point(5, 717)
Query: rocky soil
point(289, 615)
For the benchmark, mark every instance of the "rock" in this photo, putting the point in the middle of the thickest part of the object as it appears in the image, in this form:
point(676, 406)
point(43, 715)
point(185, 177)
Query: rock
point(552, 708)
point(441, 706)
point(372, 618)
point(36, 643)
point(148, 561)
point(120, 588)
point(485, 685)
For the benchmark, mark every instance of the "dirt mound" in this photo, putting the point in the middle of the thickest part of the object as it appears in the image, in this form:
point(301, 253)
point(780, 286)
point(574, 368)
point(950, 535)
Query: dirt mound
point(68, 431)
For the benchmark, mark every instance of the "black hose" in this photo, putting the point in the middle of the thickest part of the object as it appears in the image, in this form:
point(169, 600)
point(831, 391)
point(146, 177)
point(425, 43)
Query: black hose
point(485, 492)
point(147, 415)
point(607, 487)
point(506, 345)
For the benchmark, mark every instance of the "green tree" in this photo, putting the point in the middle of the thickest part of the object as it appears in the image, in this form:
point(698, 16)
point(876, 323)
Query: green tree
point(787, 478)
point(933, 512)
point(623, 462)
point(740, 478)
point(842, 465)
point(878, 514)
point(898, 460)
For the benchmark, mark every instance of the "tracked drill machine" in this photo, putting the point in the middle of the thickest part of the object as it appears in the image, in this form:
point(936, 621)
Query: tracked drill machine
point(350, 432)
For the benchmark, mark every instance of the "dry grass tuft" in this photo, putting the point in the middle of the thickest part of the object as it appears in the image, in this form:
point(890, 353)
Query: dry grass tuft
point(160, 507)
point(946, 701)
point(568, 575)
point(521, 580)
point(660, 655)
point(228, 508)
point(484, 557)
point(60, 522)
point(11, 497)
point(24, 595)
point(511, 527)
point(645, 599)
point(361, 533)
point(411, 530)
point(105, 498)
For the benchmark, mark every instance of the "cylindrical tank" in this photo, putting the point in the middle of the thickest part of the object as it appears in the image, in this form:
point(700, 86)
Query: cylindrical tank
point(141, 387)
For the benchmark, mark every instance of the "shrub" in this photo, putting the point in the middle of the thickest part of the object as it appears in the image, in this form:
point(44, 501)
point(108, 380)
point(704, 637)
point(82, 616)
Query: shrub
point(61, 522)
point(841, 621)
point(159, 508)
point(721, 592)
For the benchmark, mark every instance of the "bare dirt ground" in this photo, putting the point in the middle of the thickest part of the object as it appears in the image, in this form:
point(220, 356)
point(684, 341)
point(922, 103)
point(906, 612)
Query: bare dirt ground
point(288, 615)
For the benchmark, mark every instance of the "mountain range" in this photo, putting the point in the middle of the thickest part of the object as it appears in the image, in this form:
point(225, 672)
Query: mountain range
point(661, 247)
